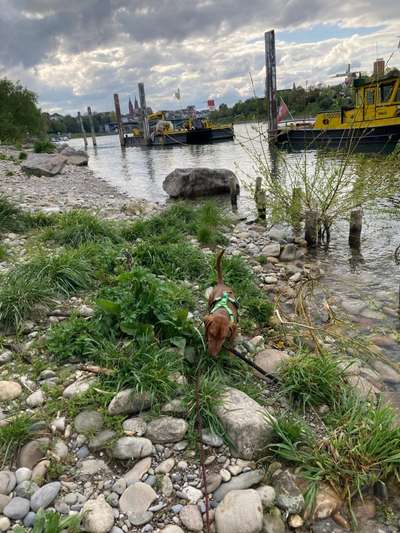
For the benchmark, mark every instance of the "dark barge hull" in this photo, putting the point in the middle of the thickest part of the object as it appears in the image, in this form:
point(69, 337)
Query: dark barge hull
point(196, 136)
point(380, 139)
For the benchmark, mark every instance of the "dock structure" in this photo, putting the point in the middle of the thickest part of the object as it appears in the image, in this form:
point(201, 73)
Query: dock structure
point(119, 120)
point(143, 107)
point(89, 111)
point(270, 85)
point(82, 130)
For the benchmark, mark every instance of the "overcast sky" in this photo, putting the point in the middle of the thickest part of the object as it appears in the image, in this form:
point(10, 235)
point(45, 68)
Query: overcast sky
point(75, 53)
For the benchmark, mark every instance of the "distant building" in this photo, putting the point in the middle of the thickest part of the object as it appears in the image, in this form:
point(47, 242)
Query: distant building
point(131, 111)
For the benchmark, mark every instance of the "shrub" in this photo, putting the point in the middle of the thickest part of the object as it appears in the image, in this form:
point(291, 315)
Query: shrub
point(312, 379)
point(44, 146)
point(22, 156)
point(3, 252)
point(77, 227)
point(140, 305)
point(74, 339)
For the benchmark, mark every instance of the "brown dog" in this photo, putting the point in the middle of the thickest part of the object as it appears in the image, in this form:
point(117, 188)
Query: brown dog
point(221, 321)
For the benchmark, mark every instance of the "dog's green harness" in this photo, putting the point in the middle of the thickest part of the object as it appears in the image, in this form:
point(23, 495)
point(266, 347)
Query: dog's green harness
point(223, 303)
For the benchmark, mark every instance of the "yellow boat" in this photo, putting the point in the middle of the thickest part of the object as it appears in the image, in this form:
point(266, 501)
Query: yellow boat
point(371, 125)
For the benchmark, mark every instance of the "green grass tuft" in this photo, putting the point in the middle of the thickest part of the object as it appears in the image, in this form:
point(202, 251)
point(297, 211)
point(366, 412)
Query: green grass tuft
point(178, 261)
point(361, 447)
point(44, 147)
point(12, 437)
point(77, 227)
point(312, 379)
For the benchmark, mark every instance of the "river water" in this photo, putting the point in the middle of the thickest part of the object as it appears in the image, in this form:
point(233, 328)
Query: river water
point(365, 286)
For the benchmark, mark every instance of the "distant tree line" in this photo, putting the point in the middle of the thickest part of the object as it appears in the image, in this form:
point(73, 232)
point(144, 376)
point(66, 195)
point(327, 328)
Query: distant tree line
point(300, 101)
point(68, 124)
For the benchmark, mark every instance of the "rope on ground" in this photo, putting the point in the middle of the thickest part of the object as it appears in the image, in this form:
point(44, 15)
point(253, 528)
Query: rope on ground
point(199, 424)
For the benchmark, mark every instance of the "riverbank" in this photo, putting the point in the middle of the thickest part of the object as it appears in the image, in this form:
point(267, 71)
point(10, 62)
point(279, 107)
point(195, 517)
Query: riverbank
point(74, 187)
point(104, 420)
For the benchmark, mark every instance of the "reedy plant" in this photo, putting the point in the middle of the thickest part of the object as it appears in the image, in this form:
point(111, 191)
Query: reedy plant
point(331, 183)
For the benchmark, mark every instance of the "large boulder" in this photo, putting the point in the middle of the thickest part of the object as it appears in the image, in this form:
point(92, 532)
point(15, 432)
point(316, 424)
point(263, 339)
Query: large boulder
point(199, 181)
point(44, 164)
point(78, 158)
point(247, 424)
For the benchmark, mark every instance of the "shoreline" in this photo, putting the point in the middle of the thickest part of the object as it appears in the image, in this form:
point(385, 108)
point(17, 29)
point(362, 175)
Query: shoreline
point(74, 187)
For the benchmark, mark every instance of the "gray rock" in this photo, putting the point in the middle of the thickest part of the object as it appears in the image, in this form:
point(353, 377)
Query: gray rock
point(191, 494)
point(4, 500)
point(5, 357)
point(137, 472)
point(243, 481)
point(36, 399)
point(119, 486)
point(98, 516)
point(200, 181)
point(26, 489)
point(267, 495)
point(288, 253)
point(174, 407)
point(60, 450)
point(214, 480)
point(44, 164)
point(191, 518)
point(273, 522)
point(83, 452)
point(102, 439)
point(29, 519)
point(211, 439)
point(166, 466)
point(9, 390)
point(88, 422)
point(166, 486)
point(132, 448)
point(288, 495)
point(39, 472)
point(270, 359)
point(129, 401)
point(33, 452)
point(240, 512)
point(7, 481)
point(140, 519)
point(17, 508)
point(330, 526)
point(247, 423)
point(166, 429)
point(93, 466)
point(79, 387)
point(74, 157)
point(387, 372)
point(137, 498)
point(23, 474)
point(135, 426)
point(172, 528)
point(354, 307)
point(272, 250)
point(45, 495)
point(277, 234)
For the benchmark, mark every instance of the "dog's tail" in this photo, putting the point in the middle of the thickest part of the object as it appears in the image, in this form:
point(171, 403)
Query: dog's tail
point(219, 268)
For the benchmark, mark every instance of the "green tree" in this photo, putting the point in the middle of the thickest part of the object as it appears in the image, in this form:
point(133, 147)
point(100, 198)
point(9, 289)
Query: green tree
point(19, 114)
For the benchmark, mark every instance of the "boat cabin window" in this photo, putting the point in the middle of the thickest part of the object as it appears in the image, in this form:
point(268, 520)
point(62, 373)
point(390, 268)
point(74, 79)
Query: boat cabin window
point(370, 96)
point(386, 91)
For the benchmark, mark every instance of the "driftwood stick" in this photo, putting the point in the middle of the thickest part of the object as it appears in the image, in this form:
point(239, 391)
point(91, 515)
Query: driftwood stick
point(96, 369)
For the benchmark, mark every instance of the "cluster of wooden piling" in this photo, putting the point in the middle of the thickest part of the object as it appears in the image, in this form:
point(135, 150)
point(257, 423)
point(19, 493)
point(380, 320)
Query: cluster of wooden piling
point(92, 131)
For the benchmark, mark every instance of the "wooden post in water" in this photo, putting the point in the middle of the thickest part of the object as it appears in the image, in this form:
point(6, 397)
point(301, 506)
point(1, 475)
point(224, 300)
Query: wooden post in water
point(356, 217)
point(82, 130)
point(233, 187)
point(119, 120)
point(260, 199)
point(311, 228)
point(143, 106)
point(89, 111)
point(270, 85)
